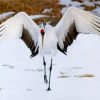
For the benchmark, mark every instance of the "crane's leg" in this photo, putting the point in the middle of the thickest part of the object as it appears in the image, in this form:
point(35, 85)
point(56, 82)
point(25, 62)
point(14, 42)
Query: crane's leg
point(50, 69)
point(45, 76)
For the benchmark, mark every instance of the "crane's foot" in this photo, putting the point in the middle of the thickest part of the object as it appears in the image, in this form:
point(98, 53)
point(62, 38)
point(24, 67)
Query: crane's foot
point(45, 79)
point(48, 89)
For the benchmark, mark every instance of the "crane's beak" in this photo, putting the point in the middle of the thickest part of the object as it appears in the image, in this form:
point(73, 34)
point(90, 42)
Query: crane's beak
point(42, 40)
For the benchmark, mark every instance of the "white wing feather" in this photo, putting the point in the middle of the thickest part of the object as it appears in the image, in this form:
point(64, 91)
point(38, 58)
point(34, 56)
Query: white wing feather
point(84, 21)
point(13, 27)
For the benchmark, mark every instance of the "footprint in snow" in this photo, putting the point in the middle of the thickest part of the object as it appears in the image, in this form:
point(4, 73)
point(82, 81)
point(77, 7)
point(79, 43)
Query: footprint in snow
point(28, 89)
point(30, 70)
point(34, 70)
point(9, 66)
point(1, 89)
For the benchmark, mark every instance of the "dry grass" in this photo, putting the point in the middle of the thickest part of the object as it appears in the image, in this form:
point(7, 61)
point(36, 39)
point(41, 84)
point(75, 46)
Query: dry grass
point(85, 75)
point(63, 76)
point(32, 7)
point(29, 6)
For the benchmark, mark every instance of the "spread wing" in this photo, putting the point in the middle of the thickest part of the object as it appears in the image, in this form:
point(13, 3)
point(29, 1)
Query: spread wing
point(21, 26)
point(73, 22)
point(29, 41)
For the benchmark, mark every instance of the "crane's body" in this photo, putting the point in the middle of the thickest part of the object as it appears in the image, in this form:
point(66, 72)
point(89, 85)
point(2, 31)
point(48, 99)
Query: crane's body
point(46, 39)
point(49, 44)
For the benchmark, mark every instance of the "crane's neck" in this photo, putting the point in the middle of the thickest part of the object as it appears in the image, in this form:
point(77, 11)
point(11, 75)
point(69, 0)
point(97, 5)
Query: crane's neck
point(42, 32)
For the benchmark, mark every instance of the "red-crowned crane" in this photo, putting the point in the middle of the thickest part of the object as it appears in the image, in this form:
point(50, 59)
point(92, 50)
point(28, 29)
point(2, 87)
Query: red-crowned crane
point(41, 40)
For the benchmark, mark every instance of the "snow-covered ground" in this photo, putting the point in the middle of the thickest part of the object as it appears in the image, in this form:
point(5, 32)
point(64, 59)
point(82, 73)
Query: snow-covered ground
point(74, 77)
point(38, 16)
point(77, 4)
point(21, 78)
point(97, 11)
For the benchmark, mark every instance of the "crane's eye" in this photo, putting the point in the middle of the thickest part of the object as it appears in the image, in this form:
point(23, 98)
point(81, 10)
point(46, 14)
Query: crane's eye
point(44, 24)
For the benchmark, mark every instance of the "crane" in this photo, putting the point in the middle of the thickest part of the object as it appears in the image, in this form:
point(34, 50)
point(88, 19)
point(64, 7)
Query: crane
point(46, 39)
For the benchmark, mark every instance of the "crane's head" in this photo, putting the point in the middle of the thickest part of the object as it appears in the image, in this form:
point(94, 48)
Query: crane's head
point(42, 26)
point(42, 30)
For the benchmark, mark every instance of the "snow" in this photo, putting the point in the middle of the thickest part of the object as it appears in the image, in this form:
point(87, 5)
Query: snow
point(21, 78)
point(6, 15)
point(97, 11)
point(77, 4)
point(64, 2)
point(69, 3)
point(97, 2)
point(38, 16)
point(88, 3)
point(47, 10)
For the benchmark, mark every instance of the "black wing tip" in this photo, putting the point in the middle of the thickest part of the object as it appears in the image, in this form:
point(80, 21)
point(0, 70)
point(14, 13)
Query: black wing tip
point(58, 47)
point(65, 53)
point(34, 53)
